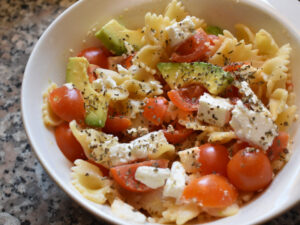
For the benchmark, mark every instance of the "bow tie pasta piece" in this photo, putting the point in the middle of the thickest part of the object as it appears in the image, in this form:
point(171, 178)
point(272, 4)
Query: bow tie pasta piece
point(148, 57)
point(280, 61)
point(244, 33)
point(265, 43)
point(127, 212)
point(139, 89)
point(180, 214)
point(106, 149)
point(155, 29)
point(221, 137)
point(233, 51)
point(88, 180)
point(228, 211)
point(286, 118)
point(277, 102)
point(175, 10)
point(153, 202)
point(275, 70)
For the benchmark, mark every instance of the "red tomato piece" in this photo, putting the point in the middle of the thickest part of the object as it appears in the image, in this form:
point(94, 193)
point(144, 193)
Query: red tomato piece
point(249, 170)
point(128, 61)
point(213, 158)
point(187, 98)
point(193, 49)
point(279, 145)
point(233, 67)
point(116, 124)
point(211, 191)
point(91, 72)
point(125, 175)
point(178, 135)
point(67, 143)
point(289, 86)
point(239, 145)
point(96, 55)
point(232, 92)
point(155, 109)
point(211, 38)
point(67, 103)
point(105, 171)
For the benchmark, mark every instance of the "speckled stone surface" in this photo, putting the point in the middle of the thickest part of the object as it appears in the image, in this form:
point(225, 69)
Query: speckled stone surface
point(27, 194)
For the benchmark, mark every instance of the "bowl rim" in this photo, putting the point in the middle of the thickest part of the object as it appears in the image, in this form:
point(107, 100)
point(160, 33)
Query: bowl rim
point(262, 5)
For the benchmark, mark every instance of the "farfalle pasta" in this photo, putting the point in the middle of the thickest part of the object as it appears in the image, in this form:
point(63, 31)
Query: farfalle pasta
point(164, 122)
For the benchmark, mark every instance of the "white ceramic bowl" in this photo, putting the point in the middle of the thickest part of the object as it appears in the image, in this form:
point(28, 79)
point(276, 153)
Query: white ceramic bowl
point(48, 62)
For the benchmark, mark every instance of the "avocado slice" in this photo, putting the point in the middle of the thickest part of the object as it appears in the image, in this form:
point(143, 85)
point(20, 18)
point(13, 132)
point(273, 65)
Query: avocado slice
point(213, 30)
point(113, 35)
point(213, 78)
point(96, 105)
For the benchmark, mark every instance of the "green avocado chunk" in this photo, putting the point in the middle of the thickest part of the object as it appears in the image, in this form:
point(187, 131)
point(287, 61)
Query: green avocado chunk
point(96, 105)
point(213, 30)
point(178, 75)
point(113, 35)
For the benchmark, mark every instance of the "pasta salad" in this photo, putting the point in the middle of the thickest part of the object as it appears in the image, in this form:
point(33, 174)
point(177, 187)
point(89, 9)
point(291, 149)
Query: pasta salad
point(175, 121)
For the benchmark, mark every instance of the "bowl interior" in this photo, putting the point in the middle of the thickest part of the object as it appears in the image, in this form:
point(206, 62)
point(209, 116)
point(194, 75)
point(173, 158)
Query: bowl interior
point(74, 29)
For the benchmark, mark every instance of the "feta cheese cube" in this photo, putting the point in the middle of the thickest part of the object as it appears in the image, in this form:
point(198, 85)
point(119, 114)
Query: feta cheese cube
point(189, 159)
point(176, 182)
point(151, 176)
point(214, 110)
point(253, 127)
point(180, 31)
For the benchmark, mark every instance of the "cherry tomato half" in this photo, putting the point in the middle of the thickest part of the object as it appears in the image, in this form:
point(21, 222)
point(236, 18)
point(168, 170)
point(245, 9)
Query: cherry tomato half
point(125, 175)
point(193, 49)
point(249, 170)
point(177, 136)
point(91, 72)
point(116, 124)
point(279, 145)
point(211, 191)
point(155, 109)
point(213, 159)
point(67, 143)
point(239, 145)
point(67, 103)
point(128, 61)
point(96, 55)
point(187, 98)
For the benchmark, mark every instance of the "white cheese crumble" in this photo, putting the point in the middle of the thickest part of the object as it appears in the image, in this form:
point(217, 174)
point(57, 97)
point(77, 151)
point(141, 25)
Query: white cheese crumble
point(180, 31)
point(189, 159)
point(176, 182)
point(253, 127)
point(69, 86)
point(151, 176)
point(127, 212)
point(214, 110)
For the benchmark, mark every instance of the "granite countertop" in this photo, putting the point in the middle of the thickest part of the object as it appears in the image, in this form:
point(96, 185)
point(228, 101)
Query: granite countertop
point(27, 194)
